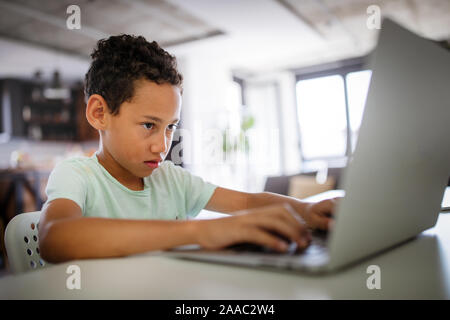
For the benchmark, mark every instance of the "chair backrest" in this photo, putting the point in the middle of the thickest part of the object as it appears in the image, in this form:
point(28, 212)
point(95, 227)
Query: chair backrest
point(22, 243)
point(278, 184)
point(282, 184)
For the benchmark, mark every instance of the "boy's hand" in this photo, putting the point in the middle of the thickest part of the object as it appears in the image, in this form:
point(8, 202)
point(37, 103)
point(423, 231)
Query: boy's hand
point(320, 215)
point(256, 226)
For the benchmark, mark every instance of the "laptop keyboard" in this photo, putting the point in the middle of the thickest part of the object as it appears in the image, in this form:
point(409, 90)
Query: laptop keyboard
point(318, 245)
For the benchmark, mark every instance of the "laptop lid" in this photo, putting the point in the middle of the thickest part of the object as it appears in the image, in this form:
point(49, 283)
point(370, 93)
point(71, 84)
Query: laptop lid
point(395, 181)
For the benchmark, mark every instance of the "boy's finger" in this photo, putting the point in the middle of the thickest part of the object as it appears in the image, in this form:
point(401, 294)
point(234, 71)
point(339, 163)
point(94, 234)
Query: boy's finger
point(285, 229)
point(326, 207)
point(322, 223)
point(264, 238)
point(292, 216)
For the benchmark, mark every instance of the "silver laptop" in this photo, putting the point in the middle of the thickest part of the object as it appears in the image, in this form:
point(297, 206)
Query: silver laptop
point(396, 179)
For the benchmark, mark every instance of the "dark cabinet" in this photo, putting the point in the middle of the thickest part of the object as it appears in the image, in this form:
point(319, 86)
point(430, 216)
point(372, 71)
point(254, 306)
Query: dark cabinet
point(31, 110)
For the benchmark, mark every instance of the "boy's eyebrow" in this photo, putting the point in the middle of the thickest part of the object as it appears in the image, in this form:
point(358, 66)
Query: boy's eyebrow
point(156, 119)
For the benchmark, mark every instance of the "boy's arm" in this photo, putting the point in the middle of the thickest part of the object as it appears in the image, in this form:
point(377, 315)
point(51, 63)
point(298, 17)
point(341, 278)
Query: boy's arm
point(64, 234)
point(229, 201)
point(316, 215)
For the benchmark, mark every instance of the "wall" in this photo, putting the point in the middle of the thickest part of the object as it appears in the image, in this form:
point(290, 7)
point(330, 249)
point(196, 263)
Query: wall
point(42, 153)
point(208, 108)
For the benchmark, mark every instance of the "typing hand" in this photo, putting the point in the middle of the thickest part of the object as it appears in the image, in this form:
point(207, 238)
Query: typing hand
point(320, 215)
point(271, 226)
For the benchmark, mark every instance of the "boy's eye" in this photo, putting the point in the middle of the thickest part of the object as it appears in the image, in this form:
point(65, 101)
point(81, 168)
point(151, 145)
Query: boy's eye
point(148, 125)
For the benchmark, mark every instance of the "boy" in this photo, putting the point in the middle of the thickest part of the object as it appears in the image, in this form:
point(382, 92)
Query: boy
point(125, 200)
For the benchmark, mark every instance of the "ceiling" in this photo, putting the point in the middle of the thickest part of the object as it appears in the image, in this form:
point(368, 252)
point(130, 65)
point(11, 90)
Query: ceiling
point(265, 35)
point(44, 22)
point(252, 35)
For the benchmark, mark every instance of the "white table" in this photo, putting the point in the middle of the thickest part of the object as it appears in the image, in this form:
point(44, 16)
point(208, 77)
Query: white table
point(417, 269)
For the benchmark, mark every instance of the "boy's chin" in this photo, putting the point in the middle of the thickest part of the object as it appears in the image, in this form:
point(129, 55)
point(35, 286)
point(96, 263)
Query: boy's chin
point(145, 172)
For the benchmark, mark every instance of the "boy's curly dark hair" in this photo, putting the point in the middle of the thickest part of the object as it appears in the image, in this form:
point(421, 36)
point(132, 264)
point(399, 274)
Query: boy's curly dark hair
point(121, 60)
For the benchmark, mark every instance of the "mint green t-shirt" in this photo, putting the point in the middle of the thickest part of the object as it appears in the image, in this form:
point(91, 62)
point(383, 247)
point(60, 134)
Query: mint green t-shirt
point(170, 192)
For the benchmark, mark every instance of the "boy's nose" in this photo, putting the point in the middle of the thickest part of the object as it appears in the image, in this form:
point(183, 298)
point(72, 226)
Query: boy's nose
point(160, 145)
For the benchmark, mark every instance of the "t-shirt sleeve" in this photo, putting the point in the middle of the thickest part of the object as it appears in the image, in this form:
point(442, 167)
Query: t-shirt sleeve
point(67, 181)
point(197, 191)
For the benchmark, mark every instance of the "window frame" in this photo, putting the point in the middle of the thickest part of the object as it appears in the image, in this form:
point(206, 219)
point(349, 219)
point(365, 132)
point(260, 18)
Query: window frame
point(341, 68)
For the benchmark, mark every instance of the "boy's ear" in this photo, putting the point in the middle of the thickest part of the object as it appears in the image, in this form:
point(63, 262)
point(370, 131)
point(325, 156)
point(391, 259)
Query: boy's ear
point(97, 112)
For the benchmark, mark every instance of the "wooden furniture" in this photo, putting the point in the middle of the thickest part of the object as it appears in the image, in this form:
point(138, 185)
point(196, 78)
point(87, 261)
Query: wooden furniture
point(21, 190)
point(33, 115)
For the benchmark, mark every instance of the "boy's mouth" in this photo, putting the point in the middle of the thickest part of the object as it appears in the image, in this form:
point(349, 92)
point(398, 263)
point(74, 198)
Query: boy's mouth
point(153, 163)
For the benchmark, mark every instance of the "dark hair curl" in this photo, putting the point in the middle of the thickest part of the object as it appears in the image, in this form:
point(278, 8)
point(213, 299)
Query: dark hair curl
point(121, 60)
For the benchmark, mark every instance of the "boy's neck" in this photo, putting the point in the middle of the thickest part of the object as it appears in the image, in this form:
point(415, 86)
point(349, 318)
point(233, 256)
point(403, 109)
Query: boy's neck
point(118, 172)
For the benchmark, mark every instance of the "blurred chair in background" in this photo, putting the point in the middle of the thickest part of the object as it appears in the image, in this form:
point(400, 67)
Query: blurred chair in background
point(304, 184)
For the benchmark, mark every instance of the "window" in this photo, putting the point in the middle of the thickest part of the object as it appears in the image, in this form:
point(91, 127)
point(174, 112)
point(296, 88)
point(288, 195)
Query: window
point(357, 88)
point(330, 107)
point(321, 116)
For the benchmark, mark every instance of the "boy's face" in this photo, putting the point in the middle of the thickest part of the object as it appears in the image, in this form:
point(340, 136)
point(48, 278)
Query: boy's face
point(143, 129)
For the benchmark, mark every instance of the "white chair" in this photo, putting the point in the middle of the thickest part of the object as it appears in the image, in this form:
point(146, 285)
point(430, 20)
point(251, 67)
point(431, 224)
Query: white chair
point(22, 243)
